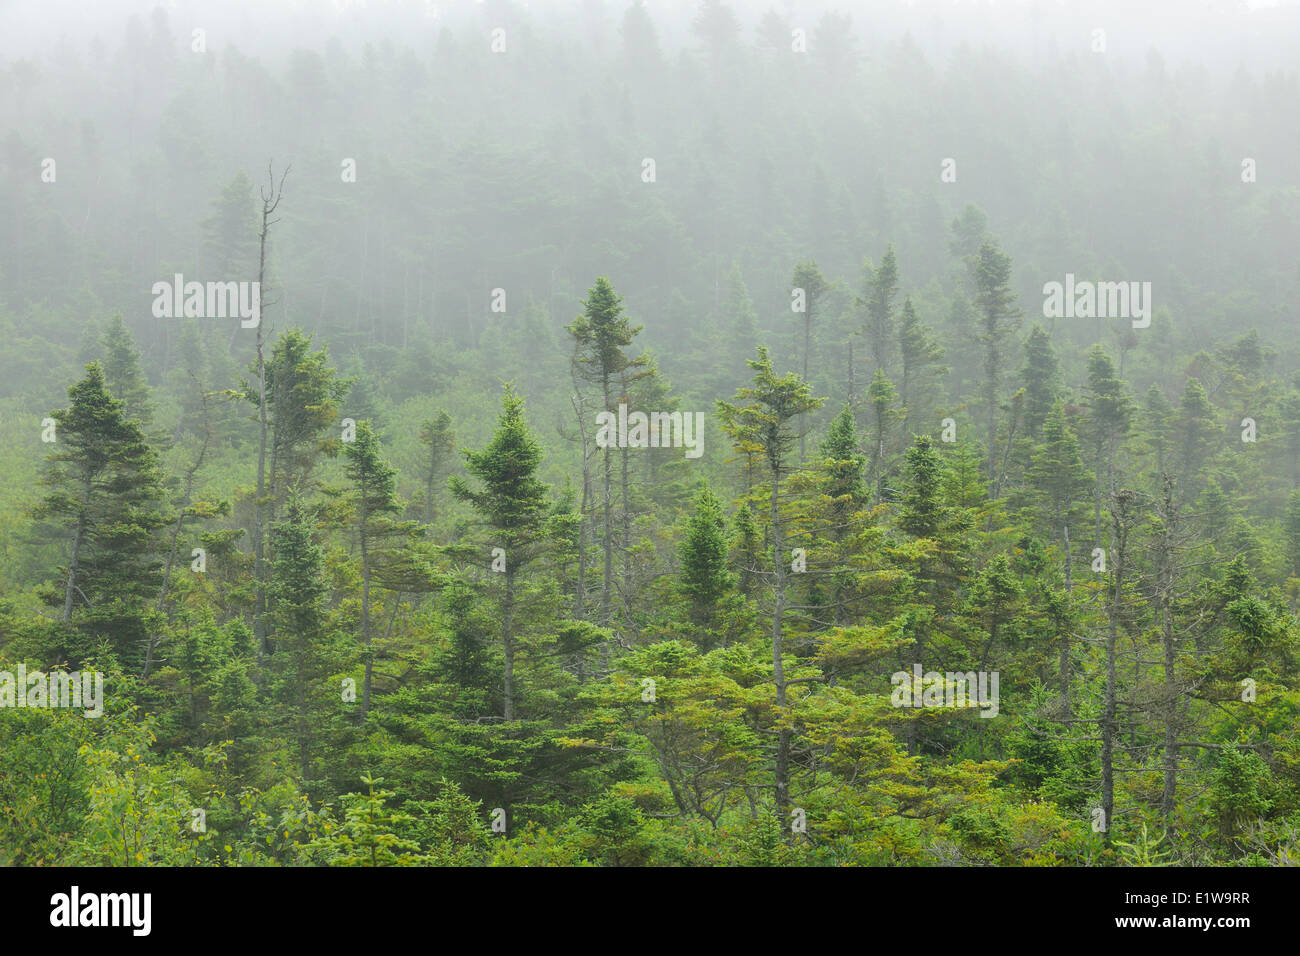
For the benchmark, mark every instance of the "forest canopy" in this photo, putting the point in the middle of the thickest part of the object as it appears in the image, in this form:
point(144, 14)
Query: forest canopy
point(649, 435)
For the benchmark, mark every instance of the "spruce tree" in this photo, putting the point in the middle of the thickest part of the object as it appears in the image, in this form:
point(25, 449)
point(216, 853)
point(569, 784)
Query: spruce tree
point(1193, 436)
point(122, 373)
point(1109, 416)
point(599, 336)
point(704, 579)
point(998, 318)
point(374, 500)
point(809, 278)
point(921, 357)
point(880, 396)
point(877, 304)
point(762, 416)
point(1059, 481)
point(308, 653)
point(106, 492)
point(513, 505)
point(439, 439)
point(1040, 377)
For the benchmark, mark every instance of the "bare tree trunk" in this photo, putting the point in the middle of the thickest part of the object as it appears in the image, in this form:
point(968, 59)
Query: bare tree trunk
point(580, 595)
point(1067, 706)
point(626, 548)
point(1120, 520)
point(365, 613)
point(270, 200)
point(778, 666)
point(605, 614)
point(807, 340)
point(1166, 575)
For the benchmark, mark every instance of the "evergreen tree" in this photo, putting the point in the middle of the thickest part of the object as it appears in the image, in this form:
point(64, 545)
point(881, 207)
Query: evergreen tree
point(746, 550)
point(308, 655)
point(809, 278)
point(599, 335)
point(704, 579)
point(1194, 435)
point(374, 499)
point(880, 396)
point(921, 355)
point(761, 416)
point(512, 503)
point(438, 437)
point(877, 303)
point(230, 233)
point(843, 461)
point(1109, 416)
point(122, 373)
point(1040, 376)
point(106, 492)
point(1058, 478)
point(998, 318)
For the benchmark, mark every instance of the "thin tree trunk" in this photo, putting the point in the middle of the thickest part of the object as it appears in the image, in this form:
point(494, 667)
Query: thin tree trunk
point(508, 642)
point(1166, 577)
point(74, 560)
point(1067, 706)
point(1120, 523)
point(778, 667)
point(270, 200)
point(365, 613)
point(580, 595)
point(605, 615)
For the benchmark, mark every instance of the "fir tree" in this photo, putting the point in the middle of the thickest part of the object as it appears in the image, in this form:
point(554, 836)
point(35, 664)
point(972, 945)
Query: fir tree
point(439, 439)
point(704, 579)
point(1040, 376)
point(599, 335)
point(921, 355)
point(122, 373)
point(512, 503)
point(374, 498)
point(998, 318)
point(106, 492)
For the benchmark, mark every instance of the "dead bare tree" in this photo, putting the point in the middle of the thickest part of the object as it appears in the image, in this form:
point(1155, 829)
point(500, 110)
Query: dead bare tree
point(271, 195)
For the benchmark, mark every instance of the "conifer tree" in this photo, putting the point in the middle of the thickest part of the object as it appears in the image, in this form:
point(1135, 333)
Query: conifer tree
point(809, 278)
point(998, 318)
point(1040, 376)
point(308, 654)
point(705, 579)
point(843, 460)
point(599, 335)
point(921, 354)
point(1058, 478)
point(880, 396)
point(122, 373)
point(1109, 416)
point(513, 504)
point(762, 415)
point(439, 439)
point(877, 304)
point(374, 498)
point(1193, 435)
point(742, 321)
point(106, 492)
point(746, 550)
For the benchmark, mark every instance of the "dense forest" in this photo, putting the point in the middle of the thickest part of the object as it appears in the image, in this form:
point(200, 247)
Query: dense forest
point(649, 434)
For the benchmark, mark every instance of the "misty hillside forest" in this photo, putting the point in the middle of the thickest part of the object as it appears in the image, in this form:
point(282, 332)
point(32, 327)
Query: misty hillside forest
point(647, 435)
